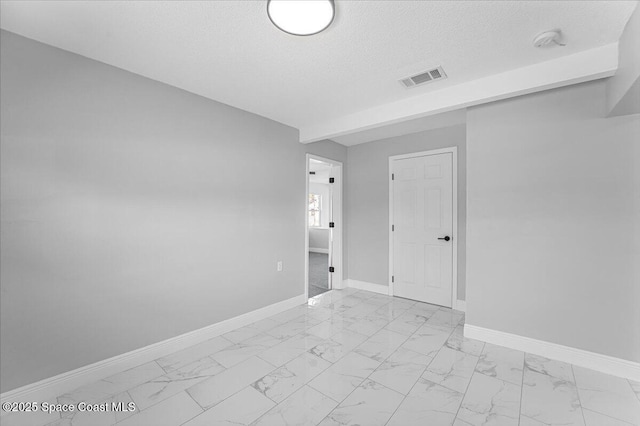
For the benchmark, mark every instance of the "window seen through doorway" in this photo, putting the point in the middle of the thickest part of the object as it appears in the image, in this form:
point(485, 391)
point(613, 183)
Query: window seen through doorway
point(315, 201)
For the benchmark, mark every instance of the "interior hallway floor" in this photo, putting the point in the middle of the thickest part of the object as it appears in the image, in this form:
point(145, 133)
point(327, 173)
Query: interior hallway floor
point(318, 273)
point(352, 357)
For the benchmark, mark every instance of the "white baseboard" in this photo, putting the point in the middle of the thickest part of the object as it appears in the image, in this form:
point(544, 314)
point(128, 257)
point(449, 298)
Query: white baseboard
point(318, 250)
point(46, 389)
point(363, 285)
point(460, 305)
point(594, 361)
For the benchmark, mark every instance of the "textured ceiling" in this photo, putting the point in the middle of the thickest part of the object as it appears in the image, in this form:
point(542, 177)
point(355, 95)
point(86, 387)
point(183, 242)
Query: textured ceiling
point(229, 51)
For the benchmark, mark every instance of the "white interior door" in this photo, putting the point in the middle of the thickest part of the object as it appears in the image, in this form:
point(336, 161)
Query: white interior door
point(423, 228)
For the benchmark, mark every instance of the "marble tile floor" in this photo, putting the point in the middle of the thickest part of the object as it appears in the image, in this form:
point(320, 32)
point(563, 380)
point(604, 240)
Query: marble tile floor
point(352, 357)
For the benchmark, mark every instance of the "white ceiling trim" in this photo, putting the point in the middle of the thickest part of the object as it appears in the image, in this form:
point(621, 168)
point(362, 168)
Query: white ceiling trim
point(588, 65)
point(415, 125)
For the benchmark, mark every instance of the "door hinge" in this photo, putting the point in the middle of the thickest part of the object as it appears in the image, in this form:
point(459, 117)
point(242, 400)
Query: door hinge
point(393, 176)
point(332, 225)
point(332, 269)
point(393, 228)
point(393, 279)
point(332, 180)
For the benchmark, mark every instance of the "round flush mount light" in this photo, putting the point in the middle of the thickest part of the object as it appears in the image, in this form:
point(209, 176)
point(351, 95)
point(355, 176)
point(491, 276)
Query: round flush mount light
point(301, 17)
point(548, 39)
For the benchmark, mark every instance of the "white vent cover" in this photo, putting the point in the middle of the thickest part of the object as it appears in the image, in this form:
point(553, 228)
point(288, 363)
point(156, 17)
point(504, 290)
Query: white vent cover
point(424, 77)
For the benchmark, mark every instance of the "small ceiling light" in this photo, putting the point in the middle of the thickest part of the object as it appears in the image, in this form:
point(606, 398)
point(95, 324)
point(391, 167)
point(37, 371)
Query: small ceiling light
point(301, 17)
point(548, 39)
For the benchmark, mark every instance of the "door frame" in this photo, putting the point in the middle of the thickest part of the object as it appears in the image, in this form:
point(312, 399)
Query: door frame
point(338, 217)
point(453, 150)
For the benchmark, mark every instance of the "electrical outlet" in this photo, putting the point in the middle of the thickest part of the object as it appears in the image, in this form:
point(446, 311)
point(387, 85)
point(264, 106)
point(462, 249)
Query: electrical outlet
point(279, 265)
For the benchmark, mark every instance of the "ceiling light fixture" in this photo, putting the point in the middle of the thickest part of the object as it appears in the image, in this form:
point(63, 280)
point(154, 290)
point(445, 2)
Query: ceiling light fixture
point(301, 17)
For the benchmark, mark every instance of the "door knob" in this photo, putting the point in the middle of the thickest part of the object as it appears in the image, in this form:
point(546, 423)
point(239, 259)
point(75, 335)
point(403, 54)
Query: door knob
point(447, 238)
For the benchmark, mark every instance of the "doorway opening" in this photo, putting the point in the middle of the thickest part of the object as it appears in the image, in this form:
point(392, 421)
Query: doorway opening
point(323, 226)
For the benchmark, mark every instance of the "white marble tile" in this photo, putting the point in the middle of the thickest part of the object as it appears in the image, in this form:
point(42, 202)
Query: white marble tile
point(458, 342)
point(86, 418)
point(359, 311)
point(607, 395)
point(113, 385)
point(394, 308)
point(328, 328)
point(281, 383)
point(427, 404)
point(368, 325)
point(232, 355)
point(401, 370)
point(528, 421)
point(592, 418)
point(381, 345)
point(284, 352)
point(445, 318)
point(324, 299)
point(636, 387)
point(344, 376)
point(264, 339)
point(370, 404)
point(240, 409)
point(243, 333)
point(193, 353)
point(399, 302)
point(390, 311)
point(290, 314)
point(490, 401)
point(124, 398)
point(559, 370)
point(502, 363)
point(427, 340)
point(322, 313)
point(173, 411)
point(408, 322)
point(550, 400)
point(118, 410)
point(28, 418)
point(219, 387)
point(306, 407)
point(293, 327)
point(451, 369)
point(264, 324)
point(280, 373)
point(379, 300)
point(338, 345)
point(349, 290)
point(161, 388)
point(361, 294)
point(346, 302)
point(424, 309)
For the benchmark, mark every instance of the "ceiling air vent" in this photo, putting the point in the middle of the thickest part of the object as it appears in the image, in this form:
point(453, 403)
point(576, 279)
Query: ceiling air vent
point(424, 77)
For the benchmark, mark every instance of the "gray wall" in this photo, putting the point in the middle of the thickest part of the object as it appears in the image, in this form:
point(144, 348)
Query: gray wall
point(131, 212)
point(368, 202)
point(551, 220)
